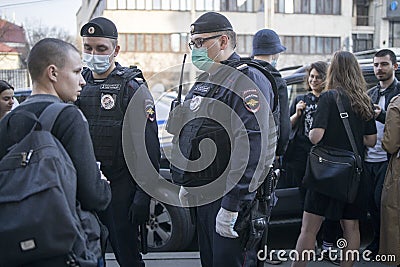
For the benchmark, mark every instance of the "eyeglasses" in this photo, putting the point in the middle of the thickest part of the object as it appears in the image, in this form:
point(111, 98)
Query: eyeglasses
point(198, 42)
point(317, 77)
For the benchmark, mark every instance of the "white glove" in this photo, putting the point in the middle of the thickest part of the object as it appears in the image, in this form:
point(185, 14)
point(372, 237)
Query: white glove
point(183, 197)
point(225, 222)
point(103, 177)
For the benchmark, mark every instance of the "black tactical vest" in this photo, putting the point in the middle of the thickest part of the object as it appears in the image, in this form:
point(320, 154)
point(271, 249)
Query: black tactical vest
point(104, 106)
point(192, 134)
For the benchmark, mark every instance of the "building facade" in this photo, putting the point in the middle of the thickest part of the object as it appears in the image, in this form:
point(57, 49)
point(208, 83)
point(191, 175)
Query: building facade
point(153, 34)
point(13, 54)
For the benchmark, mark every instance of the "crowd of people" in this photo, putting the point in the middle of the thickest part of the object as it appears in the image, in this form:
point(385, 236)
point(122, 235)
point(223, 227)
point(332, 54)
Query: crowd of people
point(243, 128)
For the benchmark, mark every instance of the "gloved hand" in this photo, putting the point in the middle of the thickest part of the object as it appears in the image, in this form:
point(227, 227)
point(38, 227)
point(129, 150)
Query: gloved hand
point(224, 223)
point(139, 210)
point(183, 197)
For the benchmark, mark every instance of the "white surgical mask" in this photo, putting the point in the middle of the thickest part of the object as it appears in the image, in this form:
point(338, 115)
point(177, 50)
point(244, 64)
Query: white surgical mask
point(97, 63)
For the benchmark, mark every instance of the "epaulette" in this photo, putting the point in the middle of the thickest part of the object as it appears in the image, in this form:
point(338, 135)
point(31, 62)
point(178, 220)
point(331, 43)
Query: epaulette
point(131, 73)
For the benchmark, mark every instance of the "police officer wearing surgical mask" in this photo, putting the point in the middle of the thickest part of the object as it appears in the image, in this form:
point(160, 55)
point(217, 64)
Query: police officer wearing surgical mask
point(104, 101)
point(219, 103)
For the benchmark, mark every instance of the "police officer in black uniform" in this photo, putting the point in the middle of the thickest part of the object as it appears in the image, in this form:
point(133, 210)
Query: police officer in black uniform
point(104, 101)
point(266, 50)
point(220, 102)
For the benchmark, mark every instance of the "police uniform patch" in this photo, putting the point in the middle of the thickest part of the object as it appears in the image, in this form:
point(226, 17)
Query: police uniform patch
point(251, 100)
point(195, 103)
point(107, 101)
point(149, 109)
point(91, 30)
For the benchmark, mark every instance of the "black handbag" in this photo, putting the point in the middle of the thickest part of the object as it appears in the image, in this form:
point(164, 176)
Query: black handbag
point(332, 171)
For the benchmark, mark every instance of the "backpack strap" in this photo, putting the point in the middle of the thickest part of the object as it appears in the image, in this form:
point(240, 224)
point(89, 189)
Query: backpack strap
point(241, 65)
point(50, 114)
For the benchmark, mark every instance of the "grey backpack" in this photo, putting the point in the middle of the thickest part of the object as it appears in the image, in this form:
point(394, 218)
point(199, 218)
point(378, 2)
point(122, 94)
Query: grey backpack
point(39, 214)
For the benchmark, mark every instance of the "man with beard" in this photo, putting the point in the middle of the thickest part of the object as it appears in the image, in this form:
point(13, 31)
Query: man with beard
point(376, 159)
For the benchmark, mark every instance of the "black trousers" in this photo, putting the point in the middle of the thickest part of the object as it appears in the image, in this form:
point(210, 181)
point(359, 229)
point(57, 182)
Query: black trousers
point(215, 250)
point(375, 173)
point(123, 235)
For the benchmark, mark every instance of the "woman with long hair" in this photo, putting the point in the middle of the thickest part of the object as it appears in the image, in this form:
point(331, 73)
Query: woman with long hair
point(344, 80)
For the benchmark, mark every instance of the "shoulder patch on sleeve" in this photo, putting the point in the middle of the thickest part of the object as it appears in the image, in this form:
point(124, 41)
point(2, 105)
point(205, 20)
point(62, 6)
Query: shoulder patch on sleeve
point(149, 109)
point(251, 100)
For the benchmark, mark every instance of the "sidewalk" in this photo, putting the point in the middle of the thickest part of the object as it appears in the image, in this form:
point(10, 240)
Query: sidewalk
point(192, 259)
point(163, 259)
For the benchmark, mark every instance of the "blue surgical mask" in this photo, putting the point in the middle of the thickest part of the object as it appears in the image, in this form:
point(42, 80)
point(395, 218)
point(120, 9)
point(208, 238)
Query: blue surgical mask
point(200, 59)
point(97, 63)
point(274, 62)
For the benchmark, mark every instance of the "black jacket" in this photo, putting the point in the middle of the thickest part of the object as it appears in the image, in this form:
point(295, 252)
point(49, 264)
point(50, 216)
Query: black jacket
point(284, 125)
point(390, 92)
point(71, 129)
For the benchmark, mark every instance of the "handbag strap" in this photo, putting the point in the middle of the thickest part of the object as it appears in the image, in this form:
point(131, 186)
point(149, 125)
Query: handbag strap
point(345, 118)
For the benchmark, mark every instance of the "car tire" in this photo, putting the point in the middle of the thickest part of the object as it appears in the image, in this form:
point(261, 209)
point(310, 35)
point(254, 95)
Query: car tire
point(170, 228)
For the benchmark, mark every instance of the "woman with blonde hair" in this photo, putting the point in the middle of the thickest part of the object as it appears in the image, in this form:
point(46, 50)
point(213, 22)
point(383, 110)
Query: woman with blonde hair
point(344, 81)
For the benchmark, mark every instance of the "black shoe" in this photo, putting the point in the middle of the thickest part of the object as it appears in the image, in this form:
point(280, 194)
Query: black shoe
point(336, 261)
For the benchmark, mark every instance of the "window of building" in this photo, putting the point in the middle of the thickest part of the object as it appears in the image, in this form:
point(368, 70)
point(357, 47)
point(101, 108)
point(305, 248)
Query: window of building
point(130, 5)
point(244, 44)
point(394, 34)
point(175, 5)
point(157, 43)
point(328, 7)
point(139, 42)
point(165, 42)
point(122, 42)
point(307, 45)
point(186, 5)
point(362, 41)
point(362, 12)
point(156, 4)
point(131, 41)
point(165, 4)
point(121, 4)
point(175, 42)
point(112, 4)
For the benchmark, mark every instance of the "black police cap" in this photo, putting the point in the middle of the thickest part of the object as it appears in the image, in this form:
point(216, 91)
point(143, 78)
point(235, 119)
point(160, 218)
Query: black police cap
point(100, 27)
point(210, 22)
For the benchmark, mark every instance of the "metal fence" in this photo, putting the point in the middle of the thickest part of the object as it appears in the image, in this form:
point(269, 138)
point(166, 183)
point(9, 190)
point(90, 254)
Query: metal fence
point(18, 78)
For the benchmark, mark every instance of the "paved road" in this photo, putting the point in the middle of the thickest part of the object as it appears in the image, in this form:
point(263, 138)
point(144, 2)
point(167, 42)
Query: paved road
point(191, 259)
point(279, 238)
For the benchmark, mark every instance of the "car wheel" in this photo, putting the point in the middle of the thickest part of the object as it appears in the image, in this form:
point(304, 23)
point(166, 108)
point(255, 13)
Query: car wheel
point(169, 228)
